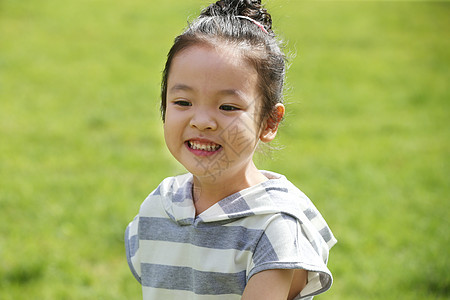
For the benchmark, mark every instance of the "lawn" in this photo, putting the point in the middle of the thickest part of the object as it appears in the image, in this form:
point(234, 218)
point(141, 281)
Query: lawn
point(366, 137)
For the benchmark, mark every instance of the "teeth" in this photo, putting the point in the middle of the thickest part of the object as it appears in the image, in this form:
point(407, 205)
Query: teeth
point(202, 146)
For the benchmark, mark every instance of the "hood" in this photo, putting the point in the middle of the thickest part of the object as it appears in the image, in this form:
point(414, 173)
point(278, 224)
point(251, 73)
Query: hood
point(276, 195)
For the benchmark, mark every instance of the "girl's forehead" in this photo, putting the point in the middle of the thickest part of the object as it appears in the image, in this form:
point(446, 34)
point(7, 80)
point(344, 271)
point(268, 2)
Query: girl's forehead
point(222, 51)
point(215, 62)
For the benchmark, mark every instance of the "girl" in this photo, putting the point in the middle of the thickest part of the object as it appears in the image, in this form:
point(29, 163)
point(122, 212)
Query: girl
point(226, 230)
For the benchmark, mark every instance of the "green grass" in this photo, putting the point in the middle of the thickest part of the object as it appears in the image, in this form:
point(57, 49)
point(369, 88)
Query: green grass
point(366, 137)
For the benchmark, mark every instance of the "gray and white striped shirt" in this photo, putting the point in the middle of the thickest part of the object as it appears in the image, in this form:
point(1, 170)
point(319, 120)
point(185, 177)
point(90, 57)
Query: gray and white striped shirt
point(273, 225)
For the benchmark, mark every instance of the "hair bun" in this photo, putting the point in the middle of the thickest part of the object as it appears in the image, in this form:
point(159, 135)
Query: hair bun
point(249, 8)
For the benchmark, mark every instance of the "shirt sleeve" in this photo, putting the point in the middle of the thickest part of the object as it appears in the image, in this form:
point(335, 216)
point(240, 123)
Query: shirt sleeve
point(284, 245)
point(132, 248)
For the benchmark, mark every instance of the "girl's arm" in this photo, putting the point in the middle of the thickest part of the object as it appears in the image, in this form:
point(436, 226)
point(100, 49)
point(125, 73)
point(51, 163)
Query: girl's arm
point(275, 284)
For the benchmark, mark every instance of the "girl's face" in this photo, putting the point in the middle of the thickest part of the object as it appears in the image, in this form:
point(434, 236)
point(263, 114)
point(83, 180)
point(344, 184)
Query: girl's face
point(211, 115)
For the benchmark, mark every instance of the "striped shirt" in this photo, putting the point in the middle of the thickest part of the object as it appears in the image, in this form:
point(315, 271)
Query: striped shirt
point(175, 254)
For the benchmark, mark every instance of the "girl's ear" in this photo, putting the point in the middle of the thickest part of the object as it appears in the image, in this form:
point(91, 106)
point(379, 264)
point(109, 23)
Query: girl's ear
point(271, 126)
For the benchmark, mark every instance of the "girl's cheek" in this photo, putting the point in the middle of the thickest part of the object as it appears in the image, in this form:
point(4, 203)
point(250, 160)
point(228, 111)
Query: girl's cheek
point(239, 136)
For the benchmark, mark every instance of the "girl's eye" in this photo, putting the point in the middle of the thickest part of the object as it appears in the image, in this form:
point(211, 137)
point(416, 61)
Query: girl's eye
point(182, 103)
point(227, 107)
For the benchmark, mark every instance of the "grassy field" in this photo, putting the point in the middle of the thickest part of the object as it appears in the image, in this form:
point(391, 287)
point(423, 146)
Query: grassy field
point(366, 137)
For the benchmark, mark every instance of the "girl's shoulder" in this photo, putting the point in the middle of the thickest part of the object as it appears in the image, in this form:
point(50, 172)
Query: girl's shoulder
point(290, 200)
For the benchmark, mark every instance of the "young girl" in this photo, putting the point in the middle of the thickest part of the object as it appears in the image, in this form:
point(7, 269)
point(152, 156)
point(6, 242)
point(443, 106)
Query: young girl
point(226, 230)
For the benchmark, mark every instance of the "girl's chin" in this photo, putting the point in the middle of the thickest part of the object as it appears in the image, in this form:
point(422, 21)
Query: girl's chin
point(207, 171)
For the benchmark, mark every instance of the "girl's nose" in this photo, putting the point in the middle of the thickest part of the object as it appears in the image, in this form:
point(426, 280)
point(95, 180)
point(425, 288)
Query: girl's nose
point(203, 120)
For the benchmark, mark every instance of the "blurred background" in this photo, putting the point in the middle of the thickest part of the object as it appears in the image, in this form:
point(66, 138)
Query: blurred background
point(366, 138)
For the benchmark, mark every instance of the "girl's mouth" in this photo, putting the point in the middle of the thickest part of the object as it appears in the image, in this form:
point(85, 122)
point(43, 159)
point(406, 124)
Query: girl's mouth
point(202, 148)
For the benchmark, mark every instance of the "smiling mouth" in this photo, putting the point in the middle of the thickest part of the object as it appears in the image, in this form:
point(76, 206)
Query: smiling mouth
point(203, 146)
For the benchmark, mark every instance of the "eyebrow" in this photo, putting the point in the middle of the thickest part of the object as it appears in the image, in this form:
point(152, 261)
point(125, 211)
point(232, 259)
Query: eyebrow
point(231, 92)
point(180, 87)
point(226, 92)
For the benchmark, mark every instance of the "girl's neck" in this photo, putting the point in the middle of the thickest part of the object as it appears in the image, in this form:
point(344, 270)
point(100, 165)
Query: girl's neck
point(207, 191)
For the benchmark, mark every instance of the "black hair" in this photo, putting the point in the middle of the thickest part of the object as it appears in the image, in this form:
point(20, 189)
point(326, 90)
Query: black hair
point(222, 23)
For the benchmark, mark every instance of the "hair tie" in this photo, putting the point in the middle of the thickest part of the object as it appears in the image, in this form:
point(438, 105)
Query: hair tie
point(254, 22)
